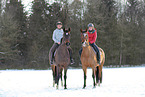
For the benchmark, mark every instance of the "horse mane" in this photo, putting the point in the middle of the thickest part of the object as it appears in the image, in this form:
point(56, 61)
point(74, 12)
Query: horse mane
point(61, 40)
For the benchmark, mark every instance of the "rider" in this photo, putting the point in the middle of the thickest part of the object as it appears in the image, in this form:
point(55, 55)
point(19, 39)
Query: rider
point(92, 34)
point(57, 36)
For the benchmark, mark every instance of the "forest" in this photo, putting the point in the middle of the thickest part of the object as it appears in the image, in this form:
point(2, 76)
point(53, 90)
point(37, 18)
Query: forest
point(26, 38)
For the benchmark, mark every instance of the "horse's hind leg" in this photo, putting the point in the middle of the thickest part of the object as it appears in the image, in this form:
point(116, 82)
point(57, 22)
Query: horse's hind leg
point(101, 77)
point(54, 74)
point(98, 75)
point(93, 76)
point(65, 77)
point(53, 78)
point(57, 77)
point(61, 78)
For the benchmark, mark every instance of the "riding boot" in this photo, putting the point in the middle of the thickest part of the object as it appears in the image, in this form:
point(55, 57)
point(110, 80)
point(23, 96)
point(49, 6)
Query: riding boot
point(70, 52)
point(52, 50)
point(95, 47)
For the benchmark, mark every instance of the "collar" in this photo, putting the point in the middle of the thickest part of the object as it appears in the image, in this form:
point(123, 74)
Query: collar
point(91, 31)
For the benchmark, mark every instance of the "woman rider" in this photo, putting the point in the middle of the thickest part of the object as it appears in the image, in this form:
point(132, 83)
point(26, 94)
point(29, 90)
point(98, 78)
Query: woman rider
point(57, 36)
point(92, 34)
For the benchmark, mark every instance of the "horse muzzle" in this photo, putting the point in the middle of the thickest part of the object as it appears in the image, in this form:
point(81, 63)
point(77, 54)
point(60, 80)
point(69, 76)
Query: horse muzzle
point(67, 43)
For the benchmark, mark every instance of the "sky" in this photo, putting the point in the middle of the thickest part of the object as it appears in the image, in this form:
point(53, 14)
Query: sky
point(28, 3)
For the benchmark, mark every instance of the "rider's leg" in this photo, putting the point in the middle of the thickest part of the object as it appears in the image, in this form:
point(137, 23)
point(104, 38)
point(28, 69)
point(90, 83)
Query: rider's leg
point(52, 50)
point(95, 47)
point(70, 53)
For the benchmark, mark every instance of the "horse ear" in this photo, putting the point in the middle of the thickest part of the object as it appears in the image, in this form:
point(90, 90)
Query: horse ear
point(63, 29)
point(86, 29)
point(68, 29)
point(81, 30)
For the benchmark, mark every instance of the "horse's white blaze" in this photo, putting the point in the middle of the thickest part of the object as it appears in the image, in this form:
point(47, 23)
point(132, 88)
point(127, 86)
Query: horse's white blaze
point(84, 44)
point(66, 33)
point(84, 34)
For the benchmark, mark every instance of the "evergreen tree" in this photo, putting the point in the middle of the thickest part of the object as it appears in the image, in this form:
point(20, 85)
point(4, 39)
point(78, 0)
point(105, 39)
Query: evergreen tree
point(75, 17)
point(38, 35)
point(103, 14)
point(19, 16)
point(8, 37)
point(133, 16)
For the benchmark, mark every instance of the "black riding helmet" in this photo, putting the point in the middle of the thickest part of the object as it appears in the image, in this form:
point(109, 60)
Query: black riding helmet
point(58, 23)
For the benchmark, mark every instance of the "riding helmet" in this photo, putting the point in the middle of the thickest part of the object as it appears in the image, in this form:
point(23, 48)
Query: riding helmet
point(58, 23)
point(90, 25)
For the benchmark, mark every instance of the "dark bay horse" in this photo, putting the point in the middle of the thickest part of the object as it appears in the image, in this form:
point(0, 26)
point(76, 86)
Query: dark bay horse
point(62, 59)
point(88, 59)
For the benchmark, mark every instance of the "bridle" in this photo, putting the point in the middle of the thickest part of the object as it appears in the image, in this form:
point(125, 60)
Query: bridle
point(85, 38)
point(66, 41)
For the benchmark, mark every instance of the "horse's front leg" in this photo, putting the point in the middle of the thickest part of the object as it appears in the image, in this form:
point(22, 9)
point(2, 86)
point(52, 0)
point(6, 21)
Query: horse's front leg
point(65, 77)
point(85, 76)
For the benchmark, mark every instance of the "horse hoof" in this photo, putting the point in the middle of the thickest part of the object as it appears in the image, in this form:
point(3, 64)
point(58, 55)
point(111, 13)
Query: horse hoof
point(65, 88)
point(99, 85)
point(57, 87)
point(94, 87)
point(83, 87)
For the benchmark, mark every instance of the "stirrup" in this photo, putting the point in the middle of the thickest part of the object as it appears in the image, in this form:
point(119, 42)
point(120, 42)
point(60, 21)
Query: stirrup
point(51, 62)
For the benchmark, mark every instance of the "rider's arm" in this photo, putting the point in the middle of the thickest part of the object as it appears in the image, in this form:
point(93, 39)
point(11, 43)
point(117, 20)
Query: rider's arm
point(94, 37)
point(54, 37)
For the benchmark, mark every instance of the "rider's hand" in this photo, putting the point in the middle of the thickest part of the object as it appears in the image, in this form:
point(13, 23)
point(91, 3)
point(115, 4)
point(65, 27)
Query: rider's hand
point(58, 42)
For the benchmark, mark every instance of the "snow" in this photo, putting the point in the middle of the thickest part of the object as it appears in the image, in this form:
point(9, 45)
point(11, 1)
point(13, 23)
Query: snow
point(117, 82)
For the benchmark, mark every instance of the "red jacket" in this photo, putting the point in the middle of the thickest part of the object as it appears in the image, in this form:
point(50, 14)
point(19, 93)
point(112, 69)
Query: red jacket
point(92, 36)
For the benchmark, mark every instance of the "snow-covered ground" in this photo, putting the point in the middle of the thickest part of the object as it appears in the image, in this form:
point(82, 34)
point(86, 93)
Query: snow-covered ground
point(117, 82)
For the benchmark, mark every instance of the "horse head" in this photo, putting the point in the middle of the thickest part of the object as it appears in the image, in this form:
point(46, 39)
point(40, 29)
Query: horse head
point(66, 36)
point(84, 38)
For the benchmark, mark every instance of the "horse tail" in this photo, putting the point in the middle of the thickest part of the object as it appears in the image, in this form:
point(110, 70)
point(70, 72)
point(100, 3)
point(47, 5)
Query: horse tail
point(97, 74)
point(58, 75)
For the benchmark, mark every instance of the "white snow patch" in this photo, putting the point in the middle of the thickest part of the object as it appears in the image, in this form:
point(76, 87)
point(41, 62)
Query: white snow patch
point(117, 82)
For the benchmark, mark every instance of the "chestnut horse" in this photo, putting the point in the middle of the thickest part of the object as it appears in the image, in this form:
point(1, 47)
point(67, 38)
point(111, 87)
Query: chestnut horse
point(88, 59)
point(62, 59)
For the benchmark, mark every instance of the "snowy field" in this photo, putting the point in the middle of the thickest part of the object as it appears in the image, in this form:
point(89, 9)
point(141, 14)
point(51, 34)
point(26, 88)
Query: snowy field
point(117, 82)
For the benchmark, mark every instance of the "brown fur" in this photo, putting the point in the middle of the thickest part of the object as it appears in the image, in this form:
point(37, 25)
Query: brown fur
point(62, 59)
point(88, 59)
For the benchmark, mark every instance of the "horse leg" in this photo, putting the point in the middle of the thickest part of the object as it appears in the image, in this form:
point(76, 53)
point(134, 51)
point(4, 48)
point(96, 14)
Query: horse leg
point(61, 78)
point(53, 78)
point(65, 77)
point(93, 76)
point(57, 77)
point(101, 77)
point(97, 73)
point(85, 71)
point(53, 73)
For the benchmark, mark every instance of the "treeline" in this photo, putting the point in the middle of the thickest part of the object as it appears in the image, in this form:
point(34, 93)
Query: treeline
point(25, 39)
